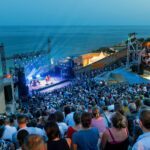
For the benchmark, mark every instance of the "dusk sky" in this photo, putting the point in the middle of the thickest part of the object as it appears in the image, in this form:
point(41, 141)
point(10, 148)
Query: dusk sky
point(74, 12)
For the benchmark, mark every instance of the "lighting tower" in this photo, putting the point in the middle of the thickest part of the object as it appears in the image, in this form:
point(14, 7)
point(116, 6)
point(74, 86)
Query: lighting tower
point(133, 49)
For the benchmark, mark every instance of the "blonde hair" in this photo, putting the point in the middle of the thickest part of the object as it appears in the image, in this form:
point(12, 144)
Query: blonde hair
point(34, 142)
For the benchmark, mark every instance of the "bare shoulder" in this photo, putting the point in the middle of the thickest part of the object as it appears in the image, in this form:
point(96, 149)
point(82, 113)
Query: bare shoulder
point(107, 132)
point(68, 141)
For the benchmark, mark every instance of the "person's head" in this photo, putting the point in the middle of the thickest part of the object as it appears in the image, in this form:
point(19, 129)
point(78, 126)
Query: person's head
point(22, 121)
point(118, 108)
point(21, 135)
point(34, 142)
point(52, 130)
point(132, 107)
point(86, 119)
point(67, 110)
point(145, 119)
point(95, 112)
point(125, 103)
point(7, 121)
point(59, 116)
point(52, 117)
point(105, 108)
point(77, 117)
point(138, 103)
point(12, 121)
point(118, 121)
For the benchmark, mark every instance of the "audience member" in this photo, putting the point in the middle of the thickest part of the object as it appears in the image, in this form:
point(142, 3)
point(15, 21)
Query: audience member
point(98, 121)
point(77, 127)
point(55, 142)
point(34, 142)
point(143, 142)
point(116, 137)
point(22, 134)
point(61, 124)
point(86, 138)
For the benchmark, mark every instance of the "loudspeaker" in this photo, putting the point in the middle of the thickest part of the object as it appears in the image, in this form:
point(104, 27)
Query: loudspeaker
point(8, 94)
point(138, 69)
point(22, 88)
point(141, 69)
point(134, 68)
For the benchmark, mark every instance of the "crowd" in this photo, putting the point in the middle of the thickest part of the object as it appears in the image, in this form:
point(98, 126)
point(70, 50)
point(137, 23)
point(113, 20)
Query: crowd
point(82, 116)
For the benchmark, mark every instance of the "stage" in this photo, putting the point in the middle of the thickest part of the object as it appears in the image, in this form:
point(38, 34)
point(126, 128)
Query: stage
point(43, 85)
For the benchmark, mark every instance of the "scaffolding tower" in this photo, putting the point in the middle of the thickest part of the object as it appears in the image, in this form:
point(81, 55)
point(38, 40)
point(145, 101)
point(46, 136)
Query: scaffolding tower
point(134, 47)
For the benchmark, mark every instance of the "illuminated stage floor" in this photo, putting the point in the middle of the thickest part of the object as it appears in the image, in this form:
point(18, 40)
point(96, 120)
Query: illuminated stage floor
point(46, 85)
point(146, 75)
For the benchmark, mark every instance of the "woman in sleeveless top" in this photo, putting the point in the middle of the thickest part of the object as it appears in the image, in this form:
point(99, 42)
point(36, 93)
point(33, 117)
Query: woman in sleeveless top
point(98, 121)
point(116, 137)
point(54, 140)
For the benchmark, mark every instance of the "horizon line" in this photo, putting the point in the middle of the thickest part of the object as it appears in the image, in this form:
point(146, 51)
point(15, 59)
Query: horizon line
point(69, 25)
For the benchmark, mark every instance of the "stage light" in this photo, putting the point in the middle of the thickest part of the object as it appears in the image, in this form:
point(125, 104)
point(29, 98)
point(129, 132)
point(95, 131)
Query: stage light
point(38, 76)
point(8, 76)
point(29, 78)
point(52, 61)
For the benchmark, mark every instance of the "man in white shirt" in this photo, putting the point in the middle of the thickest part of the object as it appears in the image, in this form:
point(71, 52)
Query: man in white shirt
point(143, 142)
point(69, 118)
point(9, 130)
point(61, 124)
point(22, 124)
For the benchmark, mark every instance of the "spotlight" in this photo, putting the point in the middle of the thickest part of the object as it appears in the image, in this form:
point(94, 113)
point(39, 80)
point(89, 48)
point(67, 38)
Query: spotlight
point(38, 76)
point(29, 78)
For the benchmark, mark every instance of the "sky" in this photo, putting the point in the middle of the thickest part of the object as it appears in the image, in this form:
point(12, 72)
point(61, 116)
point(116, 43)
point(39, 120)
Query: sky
point(74, 12)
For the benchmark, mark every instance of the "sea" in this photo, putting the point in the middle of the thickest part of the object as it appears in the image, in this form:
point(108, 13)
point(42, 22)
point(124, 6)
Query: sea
point(65, 40)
